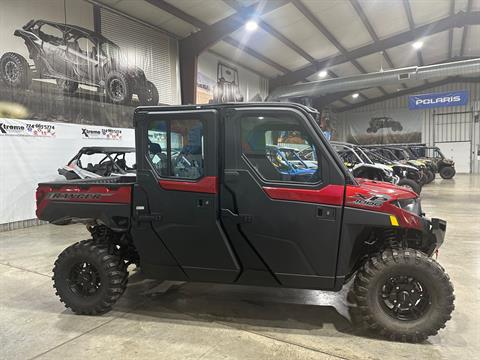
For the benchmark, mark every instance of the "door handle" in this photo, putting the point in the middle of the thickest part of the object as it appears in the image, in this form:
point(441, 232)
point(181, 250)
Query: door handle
point(237, 218)
point(231, 173)
point(325, 212)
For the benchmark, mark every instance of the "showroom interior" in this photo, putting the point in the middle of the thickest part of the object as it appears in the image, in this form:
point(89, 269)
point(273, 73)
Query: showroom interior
point(239, 179)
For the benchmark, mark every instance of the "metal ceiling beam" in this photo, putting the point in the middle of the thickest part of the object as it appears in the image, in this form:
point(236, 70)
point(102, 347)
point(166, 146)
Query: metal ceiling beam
point(212, 34)
point(234, 4)
point(450, 32)
point(318, 24)
point(191, 46)
point(368, 25)
point(255, 54)
point(465, 30)
point(411, 24)
point(458, 20)
point(233, 22)
point(411, 90)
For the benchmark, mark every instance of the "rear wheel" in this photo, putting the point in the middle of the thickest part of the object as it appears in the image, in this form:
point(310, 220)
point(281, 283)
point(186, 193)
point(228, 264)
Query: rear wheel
point(89, 277)
point(404, 295)
point(411, 185)
point(15, 71)
point(447, 172)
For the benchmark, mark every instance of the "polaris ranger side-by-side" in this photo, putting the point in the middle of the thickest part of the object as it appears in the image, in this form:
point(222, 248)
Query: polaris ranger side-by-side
point(209, 203)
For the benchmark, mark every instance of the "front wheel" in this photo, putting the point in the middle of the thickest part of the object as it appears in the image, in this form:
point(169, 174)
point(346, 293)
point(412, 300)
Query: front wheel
point(404, 295)
point(447, 172)
point(149, 95)
point(89, 277)
point(411, 185)
point(118, 88)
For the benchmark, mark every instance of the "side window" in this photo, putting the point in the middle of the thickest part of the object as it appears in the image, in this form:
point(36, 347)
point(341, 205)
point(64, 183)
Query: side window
point(280, 149)
point(51, 34)
point(176, 148)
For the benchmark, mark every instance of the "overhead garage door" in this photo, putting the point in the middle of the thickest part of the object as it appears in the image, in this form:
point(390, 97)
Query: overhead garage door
point(452, 133)
point(148, 49)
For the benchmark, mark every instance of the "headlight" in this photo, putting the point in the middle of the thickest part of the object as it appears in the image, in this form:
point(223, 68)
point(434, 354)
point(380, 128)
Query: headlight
point(411, 205)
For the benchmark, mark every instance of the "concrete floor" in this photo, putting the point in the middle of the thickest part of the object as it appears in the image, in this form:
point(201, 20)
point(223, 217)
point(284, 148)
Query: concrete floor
point(193, 321)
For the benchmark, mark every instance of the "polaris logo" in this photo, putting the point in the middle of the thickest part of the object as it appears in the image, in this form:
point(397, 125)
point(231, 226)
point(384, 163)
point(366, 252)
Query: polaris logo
point(456, 98)
point(439, 100)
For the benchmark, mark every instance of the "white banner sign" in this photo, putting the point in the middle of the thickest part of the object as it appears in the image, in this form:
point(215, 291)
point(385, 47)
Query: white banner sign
point(10, 127)
point(103, 133)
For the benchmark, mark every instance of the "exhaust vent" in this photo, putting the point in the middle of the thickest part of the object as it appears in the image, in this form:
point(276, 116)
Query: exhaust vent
point(404, 76)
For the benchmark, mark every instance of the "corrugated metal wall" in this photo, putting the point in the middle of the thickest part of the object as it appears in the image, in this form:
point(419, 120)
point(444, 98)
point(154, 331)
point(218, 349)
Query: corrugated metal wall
point(148, 49)
point(455, 123)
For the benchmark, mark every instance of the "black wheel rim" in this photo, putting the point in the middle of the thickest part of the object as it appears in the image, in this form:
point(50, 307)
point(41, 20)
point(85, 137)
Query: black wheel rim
point(117, 90)
point(84, 279)
point(11, 71)
point(149, 94)
point(404, 298)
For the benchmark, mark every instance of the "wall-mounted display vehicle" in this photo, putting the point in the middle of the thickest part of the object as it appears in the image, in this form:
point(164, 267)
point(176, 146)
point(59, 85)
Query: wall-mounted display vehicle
point(366, 165)
point(74, 55)
point(225, 213)
point(93, 162)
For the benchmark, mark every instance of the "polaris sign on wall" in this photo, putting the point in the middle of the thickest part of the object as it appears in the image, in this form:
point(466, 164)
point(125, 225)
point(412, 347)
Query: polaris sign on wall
point(426, 101)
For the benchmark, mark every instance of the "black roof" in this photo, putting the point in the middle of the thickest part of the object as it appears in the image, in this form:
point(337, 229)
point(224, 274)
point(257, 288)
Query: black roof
point(106, 149)
point(67, 27)
point(224, 105)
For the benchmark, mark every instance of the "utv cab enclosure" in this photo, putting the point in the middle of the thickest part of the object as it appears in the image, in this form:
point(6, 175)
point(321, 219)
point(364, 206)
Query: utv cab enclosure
point(212, 202)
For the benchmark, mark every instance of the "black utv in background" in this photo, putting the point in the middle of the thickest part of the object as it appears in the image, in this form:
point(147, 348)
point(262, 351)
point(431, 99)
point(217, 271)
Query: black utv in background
point(445, 167)
point(73, 55)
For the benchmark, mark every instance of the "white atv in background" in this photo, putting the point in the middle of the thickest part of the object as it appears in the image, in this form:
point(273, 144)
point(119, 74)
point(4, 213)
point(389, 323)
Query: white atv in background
point(96, 162)
point(361, 166)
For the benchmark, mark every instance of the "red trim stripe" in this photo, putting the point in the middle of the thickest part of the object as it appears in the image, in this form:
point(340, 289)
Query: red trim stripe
point(207, 185)
point(329, 195)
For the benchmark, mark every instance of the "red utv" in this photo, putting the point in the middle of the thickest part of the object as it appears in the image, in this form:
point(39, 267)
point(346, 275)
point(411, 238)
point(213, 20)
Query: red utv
point(209, 203)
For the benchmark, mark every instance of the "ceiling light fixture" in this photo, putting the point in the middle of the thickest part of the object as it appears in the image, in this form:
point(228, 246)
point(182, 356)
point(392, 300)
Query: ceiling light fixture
point(322, 74)
point(355, 95)
point(251, 25)
point(417, 45)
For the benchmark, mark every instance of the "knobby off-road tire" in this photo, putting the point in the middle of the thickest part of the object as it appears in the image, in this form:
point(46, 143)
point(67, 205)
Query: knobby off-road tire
point(118, 88)
point(447, 172)
point(89, 278)
point(375, 277)
point(149, 95)
point(410, 184)
point(430, 176)
point(15, 71)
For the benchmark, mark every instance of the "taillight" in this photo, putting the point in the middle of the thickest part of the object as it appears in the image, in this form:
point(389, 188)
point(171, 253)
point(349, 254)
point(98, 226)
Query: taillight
point(40, 195)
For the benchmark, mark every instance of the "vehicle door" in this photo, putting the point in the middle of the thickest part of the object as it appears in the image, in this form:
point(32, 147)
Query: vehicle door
point(82, 53)
point(53, 45)
point(290, 219)
point(176, 207)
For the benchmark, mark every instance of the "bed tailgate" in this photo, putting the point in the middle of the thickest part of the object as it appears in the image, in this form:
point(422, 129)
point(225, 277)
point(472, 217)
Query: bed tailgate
point(83, 201)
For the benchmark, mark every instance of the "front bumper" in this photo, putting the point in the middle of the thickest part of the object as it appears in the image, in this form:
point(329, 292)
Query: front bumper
point(434, 229)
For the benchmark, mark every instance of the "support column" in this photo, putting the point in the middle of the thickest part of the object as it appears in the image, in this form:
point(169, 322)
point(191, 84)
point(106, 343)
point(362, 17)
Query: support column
point(188, 73)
